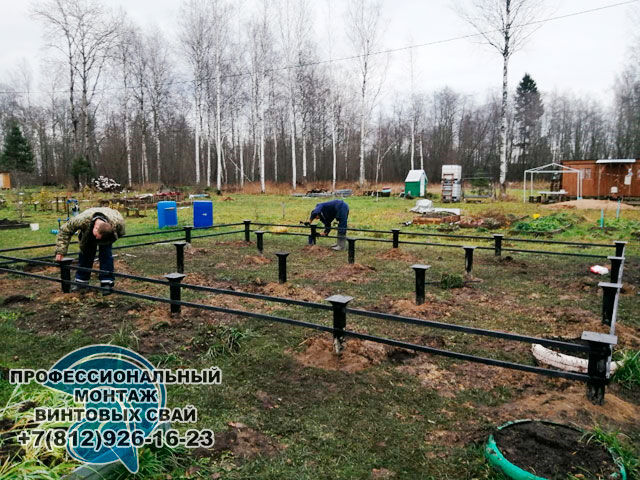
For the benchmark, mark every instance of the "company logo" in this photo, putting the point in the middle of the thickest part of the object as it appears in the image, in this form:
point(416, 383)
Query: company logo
point(126, 404)
point(124, 399)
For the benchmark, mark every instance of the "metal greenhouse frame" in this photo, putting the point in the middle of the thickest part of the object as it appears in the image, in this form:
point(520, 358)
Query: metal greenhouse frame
point(545, 169)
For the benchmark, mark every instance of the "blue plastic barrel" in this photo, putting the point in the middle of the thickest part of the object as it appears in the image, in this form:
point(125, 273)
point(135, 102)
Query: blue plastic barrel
point(202, 213)
point(167, 214)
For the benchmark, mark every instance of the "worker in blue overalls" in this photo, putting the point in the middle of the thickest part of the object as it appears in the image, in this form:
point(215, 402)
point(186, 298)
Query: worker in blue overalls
point(327, 212)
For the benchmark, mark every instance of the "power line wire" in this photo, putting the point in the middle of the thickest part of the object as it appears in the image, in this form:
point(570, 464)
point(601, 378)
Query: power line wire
point(351, 57)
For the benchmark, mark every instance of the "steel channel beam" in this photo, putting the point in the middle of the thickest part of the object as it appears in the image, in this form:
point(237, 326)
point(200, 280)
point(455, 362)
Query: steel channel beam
point(386, 341)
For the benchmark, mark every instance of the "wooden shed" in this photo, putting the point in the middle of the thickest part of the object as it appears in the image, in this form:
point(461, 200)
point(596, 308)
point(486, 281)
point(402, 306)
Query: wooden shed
point(605, 178)
point(5, 180)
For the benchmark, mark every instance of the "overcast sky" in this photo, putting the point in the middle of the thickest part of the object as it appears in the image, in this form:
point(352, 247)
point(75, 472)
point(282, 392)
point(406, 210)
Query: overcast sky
point(581, 53)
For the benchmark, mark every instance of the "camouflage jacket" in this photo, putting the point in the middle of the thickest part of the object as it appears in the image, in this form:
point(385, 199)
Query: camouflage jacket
point(82, 223)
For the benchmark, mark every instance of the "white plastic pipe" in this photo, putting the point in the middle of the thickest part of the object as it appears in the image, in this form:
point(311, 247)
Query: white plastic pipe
point(563, 362)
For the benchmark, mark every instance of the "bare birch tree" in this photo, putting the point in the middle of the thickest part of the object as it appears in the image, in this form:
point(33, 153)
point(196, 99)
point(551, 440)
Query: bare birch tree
point(220, 14)
point(197, 40)
point(260, 56)
point(415, 110)
point(364, 31)
point(504, 25)
point(292, 21)
point(140, 69)
point(332, 95)
point(158, 88)
point(86, 34)
point(124, 61)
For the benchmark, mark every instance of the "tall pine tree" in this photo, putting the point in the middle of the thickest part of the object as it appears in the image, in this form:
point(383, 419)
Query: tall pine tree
point(529, 110)
point(16, 154)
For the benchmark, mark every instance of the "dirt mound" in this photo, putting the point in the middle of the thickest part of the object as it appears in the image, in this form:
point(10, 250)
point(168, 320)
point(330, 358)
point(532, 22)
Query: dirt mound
point(290, 291)
point(153, 319)
point(351, 273)
point(432, 376)
point(196, 251)
point(510, 261)
point(570, 323)
point(11, 299)
point(628, 289)
point(357, 355)
point(491, 219)
point(234, 243)
point(42, 269)
point(256, 260)
point(570, 405)
point(316, 251)
point(462, 376)
point(397, 254)
point(590, 205)
point(242, 442)
point(206, 280)
point(575, 315)
point(585, 284)
point(121, 266)
point(380, 473)
point(197, 279)
point(627, 336)
point(408, 308)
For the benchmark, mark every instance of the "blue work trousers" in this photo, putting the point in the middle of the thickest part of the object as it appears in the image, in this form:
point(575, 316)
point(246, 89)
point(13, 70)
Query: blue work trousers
point(342, 217)
point(85, 260)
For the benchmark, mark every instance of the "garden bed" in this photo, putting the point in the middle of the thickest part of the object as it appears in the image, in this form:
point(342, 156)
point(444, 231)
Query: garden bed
point(6, 224)
point(549, 451)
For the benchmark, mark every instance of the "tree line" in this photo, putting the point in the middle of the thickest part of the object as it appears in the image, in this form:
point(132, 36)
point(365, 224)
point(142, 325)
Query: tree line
point(256, 95)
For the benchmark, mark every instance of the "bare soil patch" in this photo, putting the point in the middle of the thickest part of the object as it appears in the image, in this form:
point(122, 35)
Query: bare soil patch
point(193, 251)
point(357, 355)
point(628, 336)
point(553, 451)
point(408, 308)
point(397, 254)
point(316, 251)
point(200, 279)
point(574, 315)
point(462, 376)
point(12, 299)
point(461, 433)
point(432, 376)
point(382, 473)
point(121, 266)
point(491, 219)
point(288, 290)
point(242, 442)
point(589, 205)
point(234, 243)
point(628, 289)
point(350, 273)
point(569, 405)
point(255, 260)
point(153, 318)
point(508, 260)
point(584, 284)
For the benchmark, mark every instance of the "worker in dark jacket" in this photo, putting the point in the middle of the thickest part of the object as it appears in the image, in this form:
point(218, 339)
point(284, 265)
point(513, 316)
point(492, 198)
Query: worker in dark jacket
point(327, 212)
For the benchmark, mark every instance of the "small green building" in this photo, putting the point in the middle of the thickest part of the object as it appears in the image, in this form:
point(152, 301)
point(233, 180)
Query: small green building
point(416, 183)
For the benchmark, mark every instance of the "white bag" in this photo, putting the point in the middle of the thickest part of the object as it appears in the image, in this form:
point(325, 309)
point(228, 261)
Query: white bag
point(422, 206)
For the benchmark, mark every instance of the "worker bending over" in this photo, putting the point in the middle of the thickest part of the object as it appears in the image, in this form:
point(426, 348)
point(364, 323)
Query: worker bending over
point(97, 229)
point(327, 212)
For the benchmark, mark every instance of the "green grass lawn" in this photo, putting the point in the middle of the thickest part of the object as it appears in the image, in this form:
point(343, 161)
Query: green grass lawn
point(401, 416)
